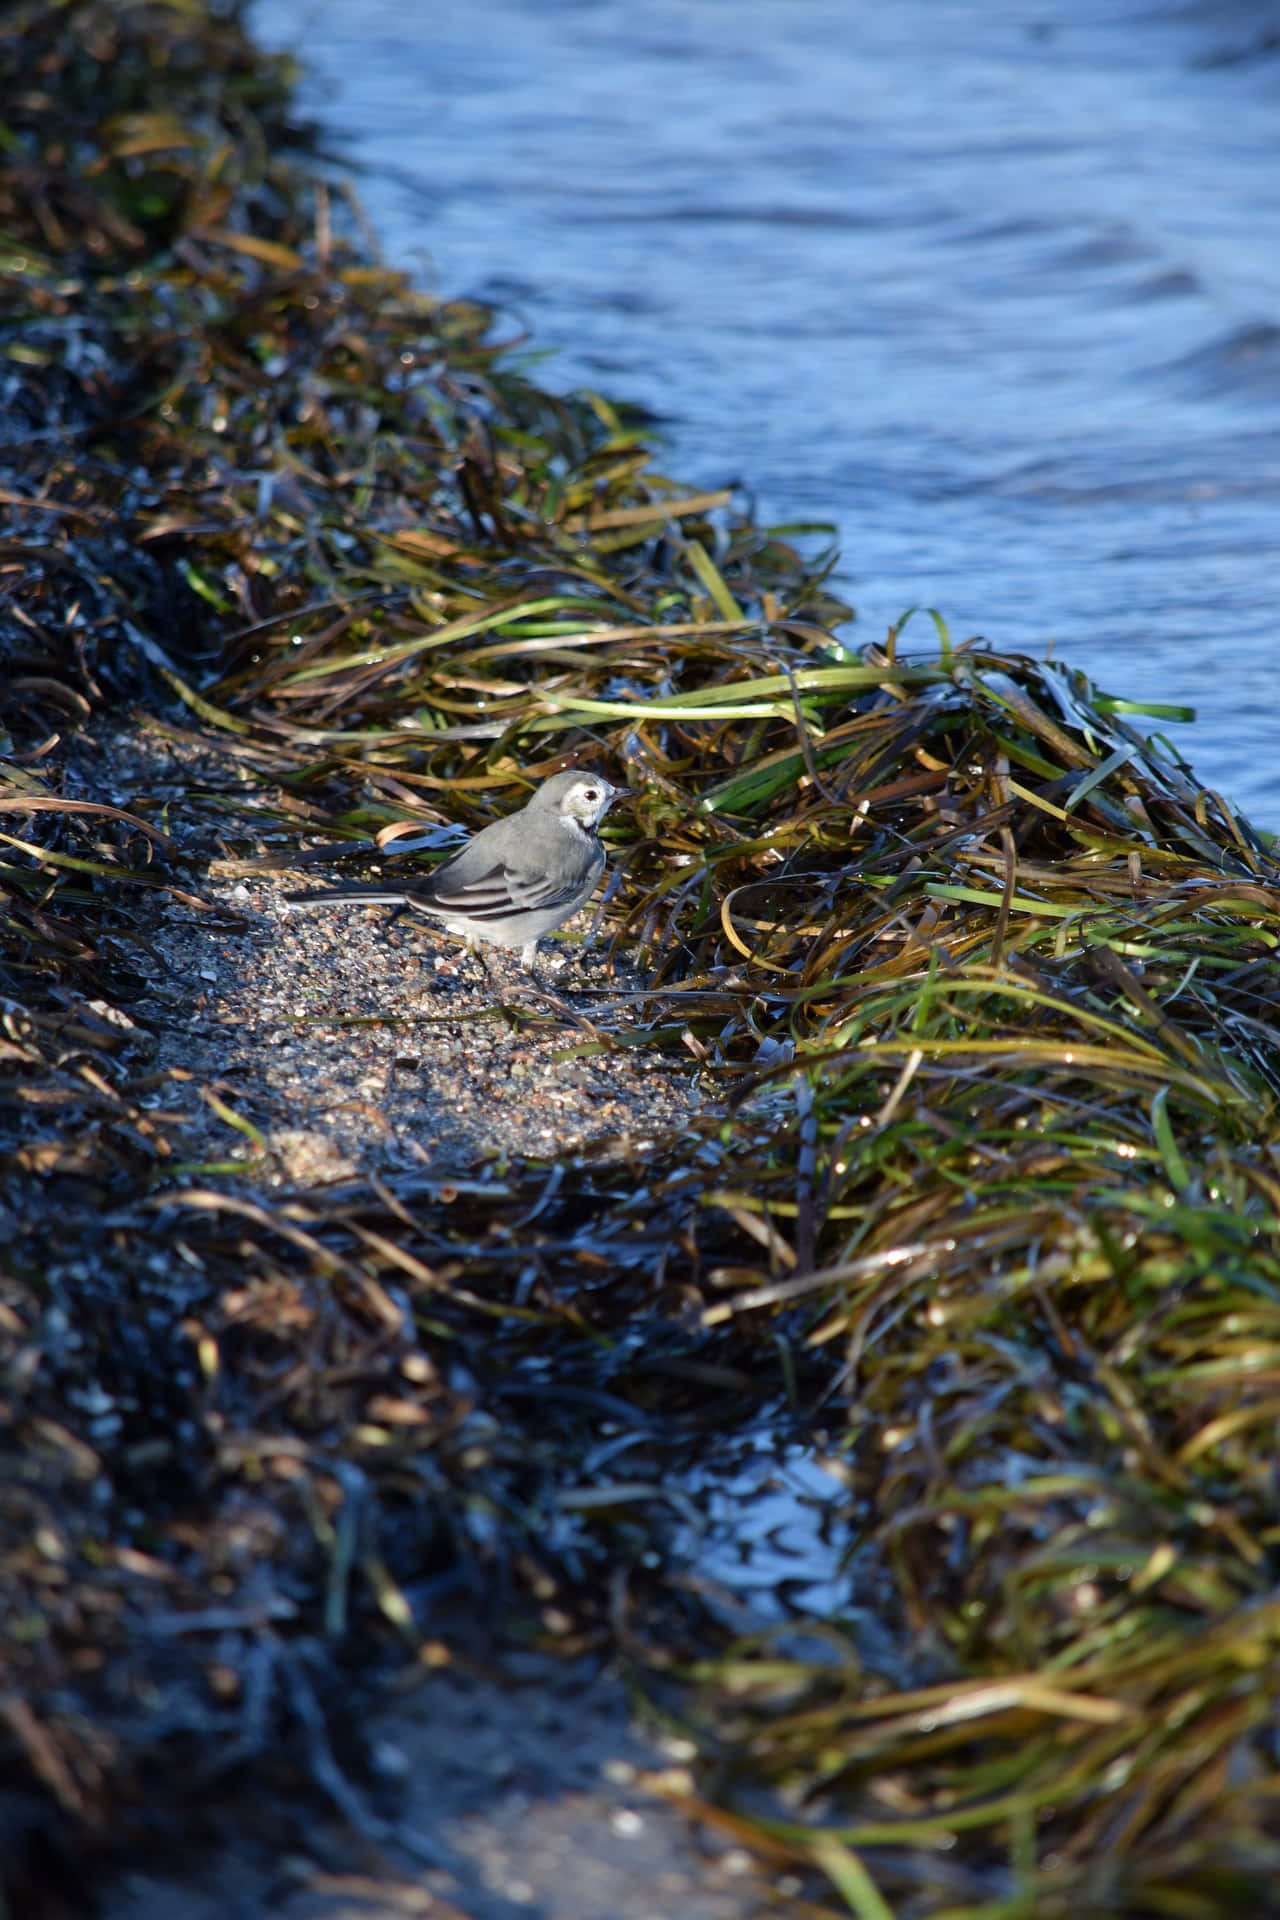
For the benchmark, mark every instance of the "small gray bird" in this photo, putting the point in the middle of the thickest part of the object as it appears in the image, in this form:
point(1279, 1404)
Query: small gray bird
point(518, 878)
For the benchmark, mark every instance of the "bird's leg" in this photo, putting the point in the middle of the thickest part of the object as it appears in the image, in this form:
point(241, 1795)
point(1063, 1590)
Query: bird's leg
point(477, 953)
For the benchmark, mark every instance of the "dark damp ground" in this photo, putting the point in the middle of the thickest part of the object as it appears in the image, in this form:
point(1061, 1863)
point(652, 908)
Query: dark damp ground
point(518, 1790)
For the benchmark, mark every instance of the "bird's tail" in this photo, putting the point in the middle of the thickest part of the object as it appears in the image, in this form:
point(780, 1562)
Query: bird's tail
point(353, 896)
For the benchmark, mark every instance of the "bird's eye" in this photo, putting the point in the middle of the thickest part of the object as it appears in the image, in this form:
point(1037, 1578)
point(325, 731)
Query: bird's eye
point(592, 793)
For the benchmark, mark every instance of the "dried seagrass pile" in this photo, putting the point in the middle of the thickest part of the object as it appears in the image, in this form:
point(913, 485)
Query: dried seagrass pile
point(978, 986)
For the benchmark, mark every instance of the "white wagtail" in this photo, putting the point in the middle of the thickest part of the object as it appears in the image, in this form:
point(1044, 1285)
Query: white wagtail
point(517, 878)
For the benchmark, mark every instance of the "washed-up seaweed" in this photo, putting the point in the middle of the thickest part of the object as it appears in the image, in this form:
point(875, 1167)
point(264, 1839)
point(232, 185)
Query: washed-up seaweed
point(978, 983)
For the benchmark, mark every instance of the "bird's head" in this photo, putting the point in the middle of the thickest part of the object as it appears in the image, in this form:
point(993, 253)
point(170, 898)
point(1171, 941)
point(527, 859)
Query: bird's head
point(582, 797)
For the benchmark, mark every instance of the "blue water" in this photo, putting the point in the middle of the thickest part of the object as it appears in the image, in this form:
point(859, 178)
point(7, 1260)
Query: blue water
point(995, 288)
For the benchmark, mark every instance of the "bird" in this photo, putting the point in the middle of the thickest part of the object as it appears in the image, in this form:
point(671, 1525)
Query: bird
point(516, 879)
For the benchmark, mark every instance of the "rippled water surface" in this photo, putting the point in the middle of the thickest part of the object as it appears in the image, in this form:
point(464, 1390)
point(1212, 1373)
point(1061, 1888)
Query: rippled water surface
point(995, 288)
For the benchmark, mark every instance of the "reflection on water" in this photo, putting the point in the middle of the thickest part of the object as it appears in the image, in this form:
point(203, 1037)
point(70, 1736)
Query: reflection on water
point(773, 1532)
point(995, 288)
point(771, 1546)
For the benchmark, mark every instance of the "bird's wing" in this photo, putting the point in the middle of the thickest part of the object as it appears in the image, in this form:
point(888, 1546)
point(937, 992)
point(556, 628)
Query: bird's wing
point(496, 892)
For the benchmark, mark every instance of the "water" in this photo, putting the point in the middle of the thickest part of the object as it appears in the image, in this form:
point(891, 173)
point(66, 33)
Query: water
point(995, 288)
point(791, 1556)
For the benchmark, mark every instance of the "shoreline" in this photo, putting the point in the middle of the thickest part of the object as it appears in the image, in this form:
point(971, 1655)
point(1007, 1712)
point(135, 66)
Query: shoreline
point(921, 1082)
